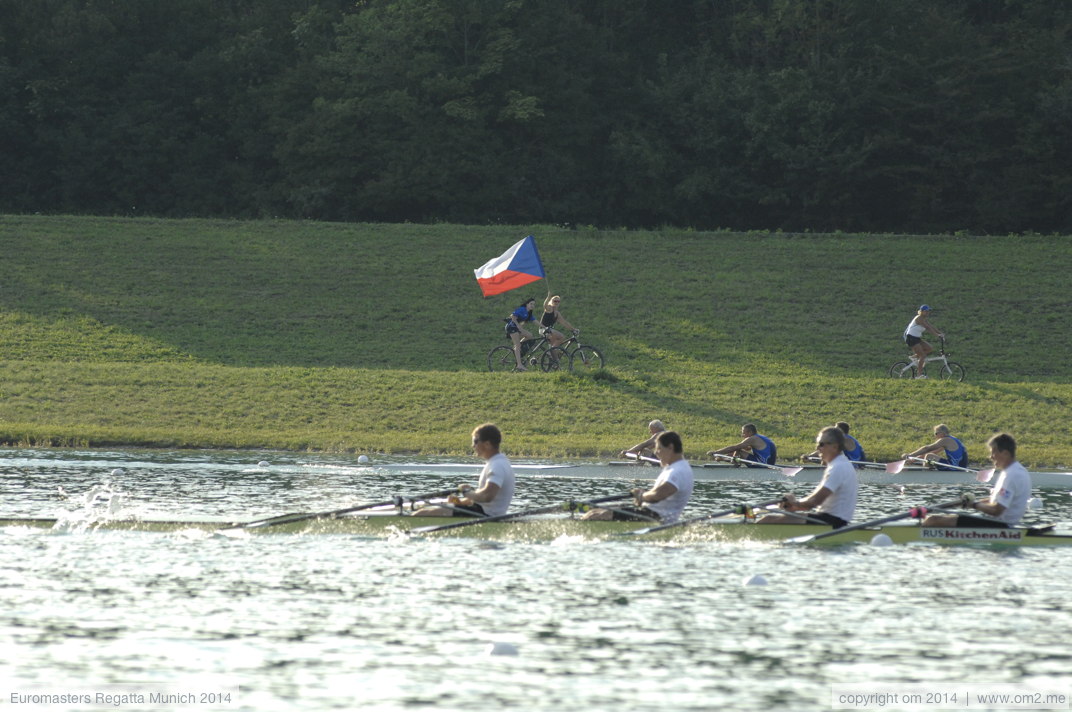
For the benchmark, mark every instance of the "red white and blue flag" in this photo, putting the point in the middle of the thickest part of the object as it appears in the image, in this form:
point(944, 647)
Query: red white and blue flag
point(518, 266)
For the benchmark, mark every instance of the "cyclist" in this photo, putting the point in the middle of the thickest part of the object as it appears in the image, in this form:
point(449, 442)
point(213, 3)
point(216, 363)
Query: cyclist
point(516, 331)
point(913, 336)
point(552, 316)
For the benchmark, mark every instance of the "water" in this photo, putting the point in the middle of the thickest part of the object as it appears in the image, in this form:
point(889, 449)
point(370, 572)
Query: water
point(287, 622)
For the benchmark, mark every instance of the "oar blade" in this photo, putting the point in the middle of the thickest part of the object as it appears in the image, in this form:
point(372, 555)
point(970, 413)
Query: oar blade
point(984, 475)
point(791, 471)
point(894, 468)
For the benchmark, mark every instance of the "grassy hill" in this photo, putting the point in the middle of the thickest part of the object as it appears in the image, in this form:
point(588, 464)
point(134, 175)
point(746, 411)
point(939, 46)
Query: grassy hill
point(200, 333)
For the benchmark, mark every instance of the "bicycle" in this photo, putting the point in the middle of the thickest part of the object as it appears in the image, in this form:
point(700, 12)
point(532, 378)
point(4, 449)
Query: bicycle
point(539, 352)
point(949, 370)
point(501, 358)
point(582, 357)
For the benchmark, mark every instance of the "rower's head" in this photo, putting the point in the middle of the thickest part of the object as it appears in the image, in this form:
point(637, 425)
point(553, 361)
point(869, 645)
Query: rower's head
point(923, 309)
point(1002, 449)
point(941, 430)
point(668, 447)
point(656, 426)
point(842, 426)
point(487, 438)
point(830, 442)
point(748, 430)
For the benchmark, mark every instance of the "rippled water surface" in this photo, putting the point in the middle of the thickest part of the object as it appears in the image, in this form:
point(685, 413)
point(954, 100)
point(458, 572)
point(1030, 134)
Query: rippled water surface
point(342, 622)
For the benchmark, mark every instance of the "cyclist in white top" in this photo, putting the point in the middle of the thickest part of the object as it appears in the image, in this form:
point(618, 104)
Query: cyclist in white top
point(913, 336)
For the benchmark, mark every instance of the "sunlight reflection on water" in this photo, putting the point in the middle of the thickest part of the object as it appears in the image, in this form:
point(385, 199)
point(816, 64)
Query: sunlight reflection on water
point(333, 621)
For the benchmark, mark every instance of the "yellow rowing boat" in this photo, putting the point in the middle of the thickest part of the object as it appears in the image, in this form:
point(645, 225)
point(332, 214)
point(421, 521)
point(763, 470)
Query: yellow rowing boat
point(550, 528)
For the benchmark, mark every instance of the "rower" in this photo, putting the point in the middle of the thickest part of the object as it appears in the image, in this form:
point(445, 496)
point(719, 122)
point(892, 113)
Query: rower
point(755, 447)
point(667, 497)
point(955, 452)
point(495, 488)
point(834, 500)
point(1008, 499)
point(854, 450)
point(648, 446)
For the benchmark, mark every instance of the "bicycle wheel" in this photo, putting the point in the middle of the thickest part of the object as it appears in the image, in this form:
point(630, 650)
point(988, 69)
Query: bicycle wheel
point(951, 371)
point(554, 359)
point(586, 358)
point(902, 369)
point(532, 357)
point(501, 358)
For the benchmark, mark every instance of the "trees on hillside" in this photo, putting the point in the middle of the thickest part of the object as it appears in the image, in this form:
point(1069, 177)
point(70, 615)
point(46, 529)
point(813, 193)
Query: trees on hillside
point(795, 114)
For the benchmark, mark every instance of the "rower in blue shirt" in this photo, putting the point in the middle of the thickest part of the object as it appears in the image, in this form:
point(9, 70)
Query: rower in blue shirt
point(955, 452)
point(854, 451)
point(754, 448)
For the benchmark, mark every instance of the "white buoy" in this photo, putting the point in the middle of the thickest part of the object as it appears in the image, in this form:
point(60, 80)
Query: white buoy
point(118, 472)
point(264, 463)
point(363, 459)
point(500, 647)
point(1034, 503)
point(881, 540)
point(754, 580)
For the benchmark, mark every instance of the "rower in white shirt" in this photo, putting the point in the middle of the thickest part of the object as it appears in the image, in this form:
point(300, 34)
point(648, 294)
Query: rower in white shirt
point(834, 500)
point(1008, 499)
point(667, 497)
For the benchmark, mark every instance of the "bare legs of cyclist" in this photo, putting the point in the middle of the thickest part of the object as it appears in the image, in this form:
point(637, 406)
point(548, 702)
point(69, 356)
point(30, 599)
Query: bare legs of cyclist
point(555, 339)
point(921, 351)
point(516, 337)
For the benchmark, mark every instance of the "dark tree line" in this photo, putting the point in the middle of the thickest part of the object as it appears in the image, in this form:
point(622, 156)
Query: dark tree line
point(912, 115)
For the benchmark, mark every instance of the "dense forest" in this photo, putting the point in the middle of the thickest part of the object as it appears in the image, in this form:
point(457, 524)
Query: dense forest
point(913, 115)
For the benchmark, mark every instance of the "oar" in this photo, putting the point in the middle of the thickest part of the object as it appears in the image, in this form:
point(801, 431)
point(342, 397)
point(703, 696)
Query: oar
point(739, 509)
point(868, 464)
point(787, 471)
point(642, 458)
point(894, 468)
point(515, 515)
point(914, 512)
point(301, 517)
point(980, 475)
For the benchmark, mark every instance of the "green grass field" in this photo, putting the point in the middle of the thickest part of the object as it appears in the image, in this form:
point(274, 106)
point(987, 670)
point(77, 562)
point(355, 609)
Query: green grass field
point(372, 338)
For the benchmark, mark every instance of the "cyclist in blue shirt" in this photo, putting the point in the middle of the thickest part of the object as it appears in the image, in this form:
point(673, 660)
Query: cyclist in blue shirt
point(516, 331)
point(955, 452)
point(754, 448)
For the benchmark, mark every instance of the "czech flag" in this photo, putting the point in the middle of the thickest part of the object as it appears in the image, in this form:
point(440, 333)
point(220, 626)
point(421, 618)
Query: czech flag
point(518, 266)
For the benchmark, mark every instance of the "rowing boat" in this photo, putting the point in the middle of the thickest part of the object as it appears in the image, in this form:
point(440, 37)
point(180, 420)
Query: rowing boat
point(725, 472)
point(547, 529)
